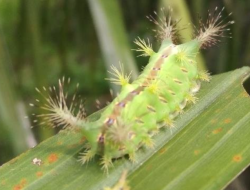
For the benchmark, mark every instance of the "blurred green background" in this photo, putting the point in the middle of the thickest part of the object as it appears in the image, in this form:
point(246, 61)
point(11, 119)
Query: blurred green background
point(43, 40)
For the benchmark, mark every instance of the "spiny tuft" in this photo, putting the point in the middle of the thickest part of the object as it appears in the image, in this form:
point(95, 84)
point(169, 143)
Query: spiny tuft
point(59, 113)
point(214, 28)
point(86, 156)
point(167, 27)
point(144, 47)
point(120, 78)
point(204, 75)
point(106, 162)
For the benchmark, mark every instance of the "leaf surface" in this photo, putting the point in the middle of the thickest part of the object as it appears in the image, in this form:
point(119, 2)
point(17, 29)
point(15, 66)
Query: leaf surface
point(207, 149)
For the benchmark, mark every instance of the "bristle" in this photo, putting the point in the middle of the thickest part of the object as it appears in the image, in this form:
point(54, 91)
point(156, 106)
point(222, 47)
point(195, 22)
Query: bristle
point(183, 56)
point(86, 156)
point(58, 112)
point(98, 104)
point(120, 78)
point(169, 122)
point(191, 98)
point(148, 141)
point(132, 156)
point(153, 87)
point(111, 93)
point(106, 162)
point(214, 28)
point(204, 75)
point(167, 27)
point(144, 47)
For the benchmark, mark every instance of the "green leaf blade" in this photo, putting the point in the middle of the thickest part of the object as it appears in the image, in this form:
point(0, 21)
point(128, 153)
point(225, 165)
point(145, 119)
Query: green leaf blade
point(211, 150)
point(206, 150)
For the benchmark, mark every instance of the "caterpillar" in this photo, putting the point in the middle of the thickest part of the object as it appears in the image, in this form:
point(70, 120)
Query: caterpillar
point(169, 82)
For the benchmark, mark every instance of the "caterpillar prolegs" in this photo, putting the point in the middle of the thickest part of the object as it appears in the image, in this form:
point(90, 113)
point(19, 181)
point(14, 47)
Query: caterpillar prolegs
point(167, 84)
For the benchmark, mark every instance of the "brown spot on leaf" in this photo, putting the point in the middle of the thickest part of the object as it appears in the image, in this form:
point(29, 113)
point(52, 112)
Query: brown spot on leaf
point(228, 120)
point(39, 174)
point(216, 131)
point(52, 158)
point(196, 152)
point(59, 143)
point(163, 150)
point(237, 158)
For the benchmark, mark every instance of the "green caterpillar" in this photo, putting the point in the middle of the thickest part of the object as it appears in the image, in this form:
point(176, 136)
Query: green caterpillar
point(167, 84)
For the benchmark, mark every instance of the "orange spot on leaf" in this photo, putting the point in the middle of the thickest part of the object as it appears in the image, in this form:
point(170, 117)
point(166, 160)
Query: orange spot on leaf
point(17, 187)
point(237, 158)
point(216, 131)
point(23, 182)
point(228, 120)
point(52, 158)
point(39, 174)
point(21, 185)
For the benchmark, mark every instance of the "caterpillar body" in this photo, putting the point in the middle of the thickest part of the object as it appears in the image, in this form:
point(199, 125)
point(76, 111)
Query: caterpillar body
point(167, 84)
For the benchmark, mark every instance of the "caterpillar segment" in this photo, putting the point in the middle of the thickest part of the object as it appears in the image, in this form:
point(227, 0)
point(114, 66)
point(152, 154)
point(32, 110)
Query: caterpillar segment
point(167, 84)
point(157, 97)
